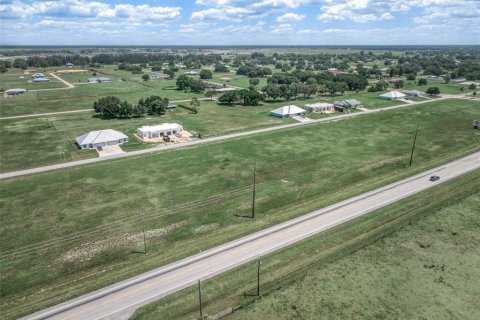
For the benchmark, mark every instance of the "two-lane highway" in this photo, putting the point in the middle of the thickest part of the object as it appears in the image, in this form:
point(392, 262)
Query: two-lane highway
point(119, 300)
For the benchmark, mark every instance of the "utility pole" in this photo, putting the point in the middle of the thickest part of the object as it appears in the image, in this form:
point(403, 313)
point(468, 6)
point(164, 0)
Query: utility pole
point(413, 146)
point(258, 278)
point(144, 236)
point(200, 299)
point(254, 186)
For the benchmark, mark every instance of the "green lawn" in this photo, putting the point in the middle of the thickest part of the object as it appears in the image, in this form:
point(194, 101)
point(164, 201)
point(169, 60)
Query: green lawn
point(427, 271)
point(78, 229)
point(402, 261)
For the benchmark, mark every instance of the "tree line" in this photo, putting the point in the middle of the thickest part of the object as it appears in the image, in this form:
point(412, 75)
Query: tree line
point(111, 107)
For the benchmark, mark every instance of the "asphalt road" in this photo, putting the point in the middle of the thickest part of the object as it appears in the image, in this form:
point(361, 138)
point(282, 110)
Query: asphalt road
point(120, 300)
point(199, 141)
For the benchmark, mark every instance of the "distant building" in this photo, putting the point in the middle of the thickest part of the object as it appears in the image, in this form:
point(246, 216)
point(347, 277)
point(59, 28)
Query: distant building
point(320, 107)
point(69, 65)
point(226, 89)
point(100, 138)
point(38, 75)
point(99, 80)
point(476, 124)
point(14, 92)
point(160, 76)
point(346, 104)
point(431, 77)
point(161, 130)
point(412, 93)
point(171, 106)
point(191, 73)
point(288, 111)
point(41, 80)
point(468, 84)
point(393, 95)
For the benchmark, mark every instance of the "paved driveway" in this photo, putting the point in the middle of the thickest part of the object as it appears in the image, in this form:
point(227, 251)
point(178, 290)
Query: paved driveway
point(110, 150)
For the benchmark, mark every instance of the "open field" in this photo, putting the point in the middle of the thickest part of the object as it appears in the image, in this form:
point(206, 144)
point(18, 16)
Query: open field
point(428, 270)
point(83, 231)
point(11, 79)
point(407, 264)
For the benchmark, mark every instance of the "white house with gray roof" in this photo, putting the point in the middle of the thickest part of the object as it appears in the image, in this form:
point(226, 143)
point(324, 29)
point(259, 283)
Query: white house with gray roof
point(101, 138)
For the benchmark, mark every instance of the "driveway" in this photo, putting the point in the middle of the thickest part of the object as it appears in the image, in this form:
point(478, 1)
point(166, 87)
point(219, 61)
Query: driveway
point(110, 151)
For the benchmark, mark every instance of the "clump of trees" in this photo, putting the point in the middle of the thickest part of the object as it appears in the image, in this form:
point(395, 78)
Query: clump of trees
point(422, 82)
point(185, 82)
point(433, 91)
point(379, 86)
point(253, 71)
point(111, 107)
point(220, 68)
point(135, 69)
point(206, 74)
point(246, 97)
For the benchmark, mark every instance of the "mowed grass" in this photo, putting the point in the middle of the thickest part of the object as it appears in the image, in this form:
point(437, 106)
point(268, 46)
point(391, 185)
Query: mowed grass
point(78, 229)
point(411, 273)
point(12, 79)
point(428, 270)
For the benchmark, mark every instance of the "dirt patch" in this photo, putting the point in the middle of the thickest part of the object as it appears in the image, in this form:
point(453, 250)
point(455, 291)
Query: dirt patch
point(89, 250)
point(186, 136)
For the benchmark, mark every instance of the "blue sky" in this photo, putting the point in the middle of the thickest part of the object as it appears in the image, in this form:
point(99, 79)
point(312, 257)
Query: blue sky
point(239, 22)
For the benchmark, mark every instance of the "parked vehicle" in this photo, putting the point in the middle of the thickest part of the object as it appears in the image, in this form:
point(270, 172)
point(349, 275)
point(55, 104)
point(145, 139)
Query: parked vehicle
point(434, 178)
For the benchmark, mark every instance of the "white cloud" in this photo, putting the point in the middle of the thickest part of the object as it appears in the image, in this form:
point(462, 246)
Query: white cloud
point(226, 14)
point(360, 11)
point(282, 28)
point(290, 17)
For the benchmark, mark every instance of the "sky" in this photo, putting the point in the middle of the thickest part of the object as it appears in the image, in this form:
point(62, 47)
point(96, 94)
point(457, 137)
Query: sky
point(240, 22)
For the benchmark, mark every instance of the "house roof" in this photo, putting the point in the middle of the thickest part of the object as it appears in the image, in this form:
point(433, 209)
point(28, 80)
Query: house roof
point(15, 90)
point(318, 105)
point(352, 102)
point(393, 95)
point(286, 110)
point(160, 127)
point(100, 136)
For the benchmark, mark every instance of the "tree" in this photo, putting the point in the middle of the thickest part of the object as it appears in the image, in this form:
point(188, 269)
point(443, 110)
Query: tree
point(20, 63)
point(210, 94)
point(250, 97)
point(411, 76)
point(194, 103)
point(422, 82)
point(112, 107)
point(433, 91)
point(154, 105)
point(272, 91)
point(146, 77)
point(447, 78)
point(183, 82)
point(220, 68)
point(206, 74)
point(197, 85)
point(399, 84)
point(170, 73)
point(254, 81)
point(229, 97)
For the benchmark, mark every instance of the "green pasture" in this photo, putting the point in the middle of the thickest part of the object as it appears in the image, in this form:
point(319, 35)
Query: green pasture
point(78, 229)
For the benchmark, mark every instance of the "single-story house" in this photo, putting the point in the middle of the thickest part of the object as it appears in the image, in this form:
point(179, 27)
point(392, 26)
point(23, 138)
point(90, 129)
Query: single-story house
point(320, 107)
point(412, 93)
point(41, 80)
point(468, 84)
point(161, 130)
point(432, 77)
point(346, 104)
point(226, 89)
point(15, 91)
point(393, 95)
point(476, 124)
point(99, 80)
point(160, 76)
point(191, 73)
point(69, 65)
point(288, 111)
point(171, 106)
point(100, 138)
point(38, 75)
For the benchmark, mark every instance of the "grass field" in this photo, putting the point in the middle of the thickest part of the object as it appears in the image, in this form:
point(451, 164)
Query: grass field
point(415, 259)
point(82, 231)
point(427, 271)
point(11, 79)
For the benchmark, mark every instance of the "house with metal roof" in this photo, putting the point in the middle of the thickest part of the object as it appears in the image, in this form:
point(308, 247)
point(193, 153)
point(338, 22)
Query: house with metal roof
point(100, 138)
point(99, 80)
point(288, 111)
point(14, 91)
point(393, 95)
point(161, 130)
point(41, 80)
point(346, 104)
point(320, 107)
point(38, 75)
point(412, 93)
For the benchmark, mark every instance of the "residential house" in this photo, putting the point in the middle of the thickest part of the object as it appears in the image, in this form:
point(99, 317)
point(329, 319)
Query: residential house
point(100, 138)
